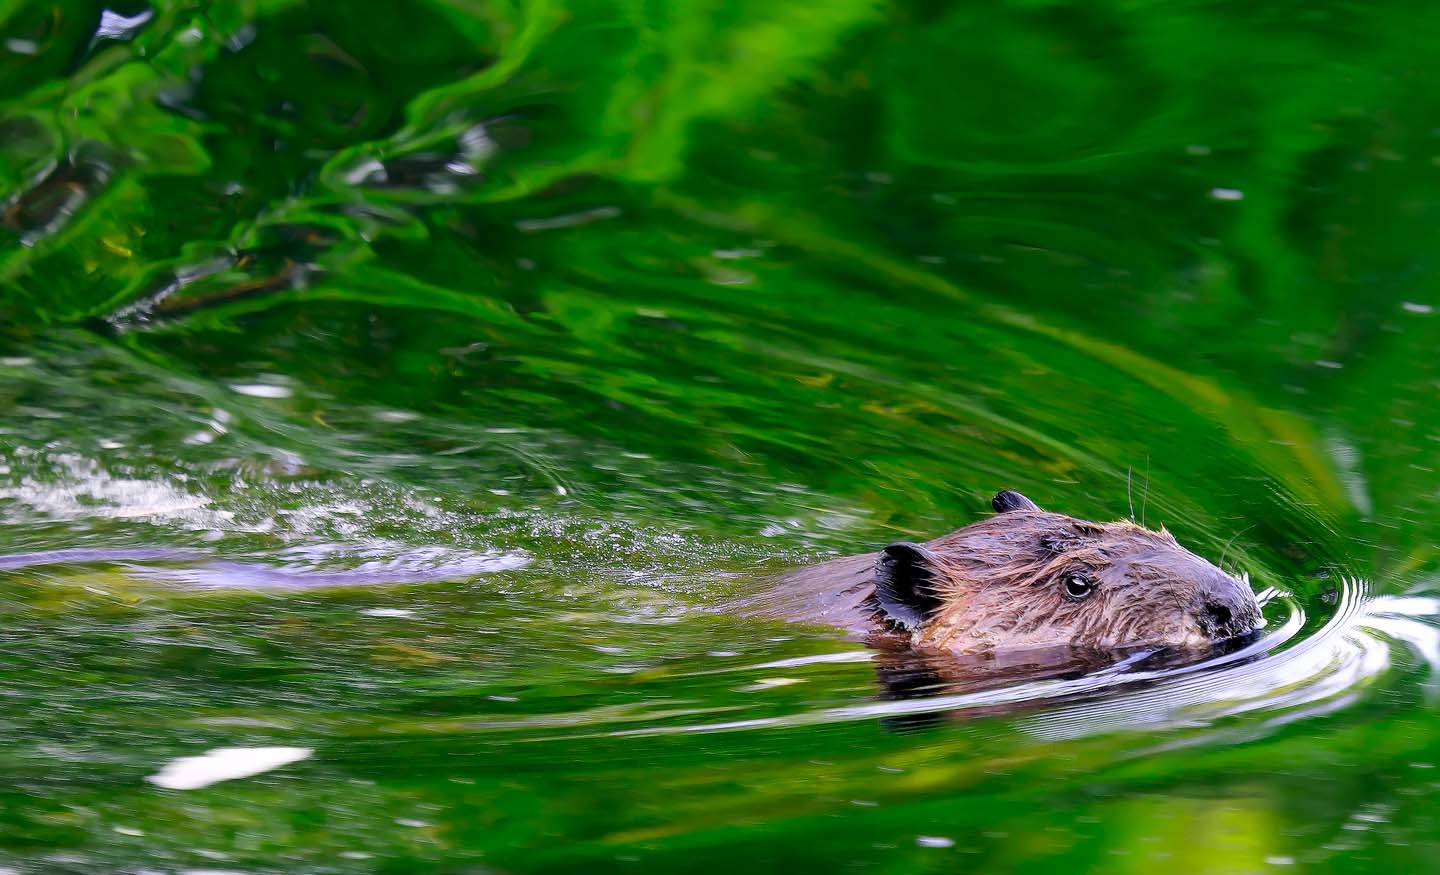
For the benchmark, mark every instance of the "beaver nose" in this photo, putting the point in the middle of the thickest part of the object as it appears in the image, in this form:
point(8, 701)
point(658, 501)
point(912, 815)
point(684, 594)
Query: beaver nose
point(1226, 607)
point(1218, 614)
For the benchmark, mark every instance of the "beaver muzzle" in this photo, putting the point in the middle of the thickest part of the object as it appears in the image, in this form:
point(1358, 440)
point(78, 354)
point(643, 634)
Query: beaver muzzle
point(1224, 607)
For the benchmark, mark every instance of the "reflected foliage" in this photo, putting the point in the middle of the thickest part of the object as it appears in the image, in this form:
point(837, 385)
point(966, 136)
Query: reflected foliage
point(645, 301)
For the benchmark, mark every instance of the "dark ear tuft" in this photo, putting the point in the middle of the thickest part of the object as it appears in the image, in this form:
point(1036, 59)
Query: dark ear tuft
point(905, 584)
point(1009, 500)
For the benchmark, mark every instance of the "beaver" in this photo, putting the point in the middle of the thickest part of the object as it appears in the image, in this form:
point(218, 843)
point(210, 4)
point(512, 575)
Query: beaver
point(1025, 579)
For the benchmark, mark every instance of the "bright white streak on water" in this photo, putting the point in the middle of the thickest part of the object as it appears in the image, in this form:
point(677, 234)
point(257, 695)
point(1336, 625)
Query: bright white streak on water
point(225, 764)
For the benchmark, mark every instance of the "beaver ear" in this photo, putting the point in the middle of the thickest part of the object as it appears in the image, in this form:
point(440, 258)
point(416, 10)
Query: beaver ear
point(905, 584)
point(1009, 500)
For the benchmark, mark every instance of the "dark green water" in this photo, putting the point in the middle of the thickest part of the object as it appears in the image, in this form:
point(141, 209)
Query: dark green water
point(402, 383)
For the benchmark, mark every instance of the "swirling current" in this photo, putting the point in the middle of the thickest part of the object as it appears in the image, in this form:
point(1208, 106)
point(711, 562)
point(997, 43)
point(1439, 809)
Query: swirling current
point(393, 399)
point(1298, 667)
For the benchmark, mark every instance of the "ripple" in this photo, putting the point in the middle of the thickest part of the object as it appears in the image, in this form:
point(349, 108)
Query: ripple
point(452, 565)
point(1279, 675)
point(196, 570)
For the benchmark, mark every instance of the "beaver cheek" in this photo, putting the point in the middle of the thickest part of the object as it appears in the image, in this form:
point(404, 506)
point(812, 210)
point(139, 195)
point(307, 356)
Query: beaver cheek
point(1182, 633)
point(1189, 635)
point(948, 631)
point(934, 635)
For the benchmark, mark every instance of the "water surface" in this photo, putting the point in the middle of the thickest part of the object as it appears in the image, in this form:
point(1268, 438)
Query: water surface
point(387, 400)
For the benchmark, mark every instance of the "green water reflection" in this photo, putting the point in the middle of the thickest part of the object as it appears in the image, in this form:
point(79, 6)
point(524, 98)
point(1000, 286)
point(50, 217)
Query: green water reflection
point(555, 324)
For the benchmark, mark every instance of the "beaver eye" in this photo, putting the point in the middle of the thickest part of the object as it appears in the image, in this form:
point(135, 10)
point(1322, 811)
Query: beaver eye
point(1078, 586)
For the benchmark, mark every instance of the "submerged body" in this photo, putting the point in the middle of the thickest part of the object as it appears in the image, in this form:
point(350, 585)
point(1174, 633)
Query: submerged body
point(1025, 579)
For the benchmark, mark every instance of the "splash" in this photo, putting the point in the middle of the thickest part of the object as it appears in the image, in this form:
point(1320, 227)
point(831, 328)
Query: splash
point(291, 533)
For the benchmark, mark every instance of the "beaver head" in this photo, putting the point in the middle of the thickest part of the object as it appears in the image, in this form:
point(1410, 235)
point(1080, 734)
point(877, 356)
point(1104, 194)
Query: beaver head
point(1026, 578)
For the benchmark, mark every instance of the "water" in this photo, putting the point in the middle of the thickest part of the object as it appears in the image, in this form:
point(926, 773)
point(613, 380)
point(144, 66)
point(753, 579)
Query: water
point(388, 400)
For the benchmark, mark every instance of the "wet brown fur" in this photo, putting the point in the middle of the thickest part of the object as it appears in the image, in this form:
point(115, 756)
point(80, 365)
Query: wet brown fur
point(1000, 584)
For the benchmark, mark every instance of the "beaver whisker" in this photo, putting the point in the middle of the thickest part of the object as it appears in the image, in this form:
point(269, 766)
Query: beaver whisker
point(1129, 494)
point(1145, 496)
point(1226, 548)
